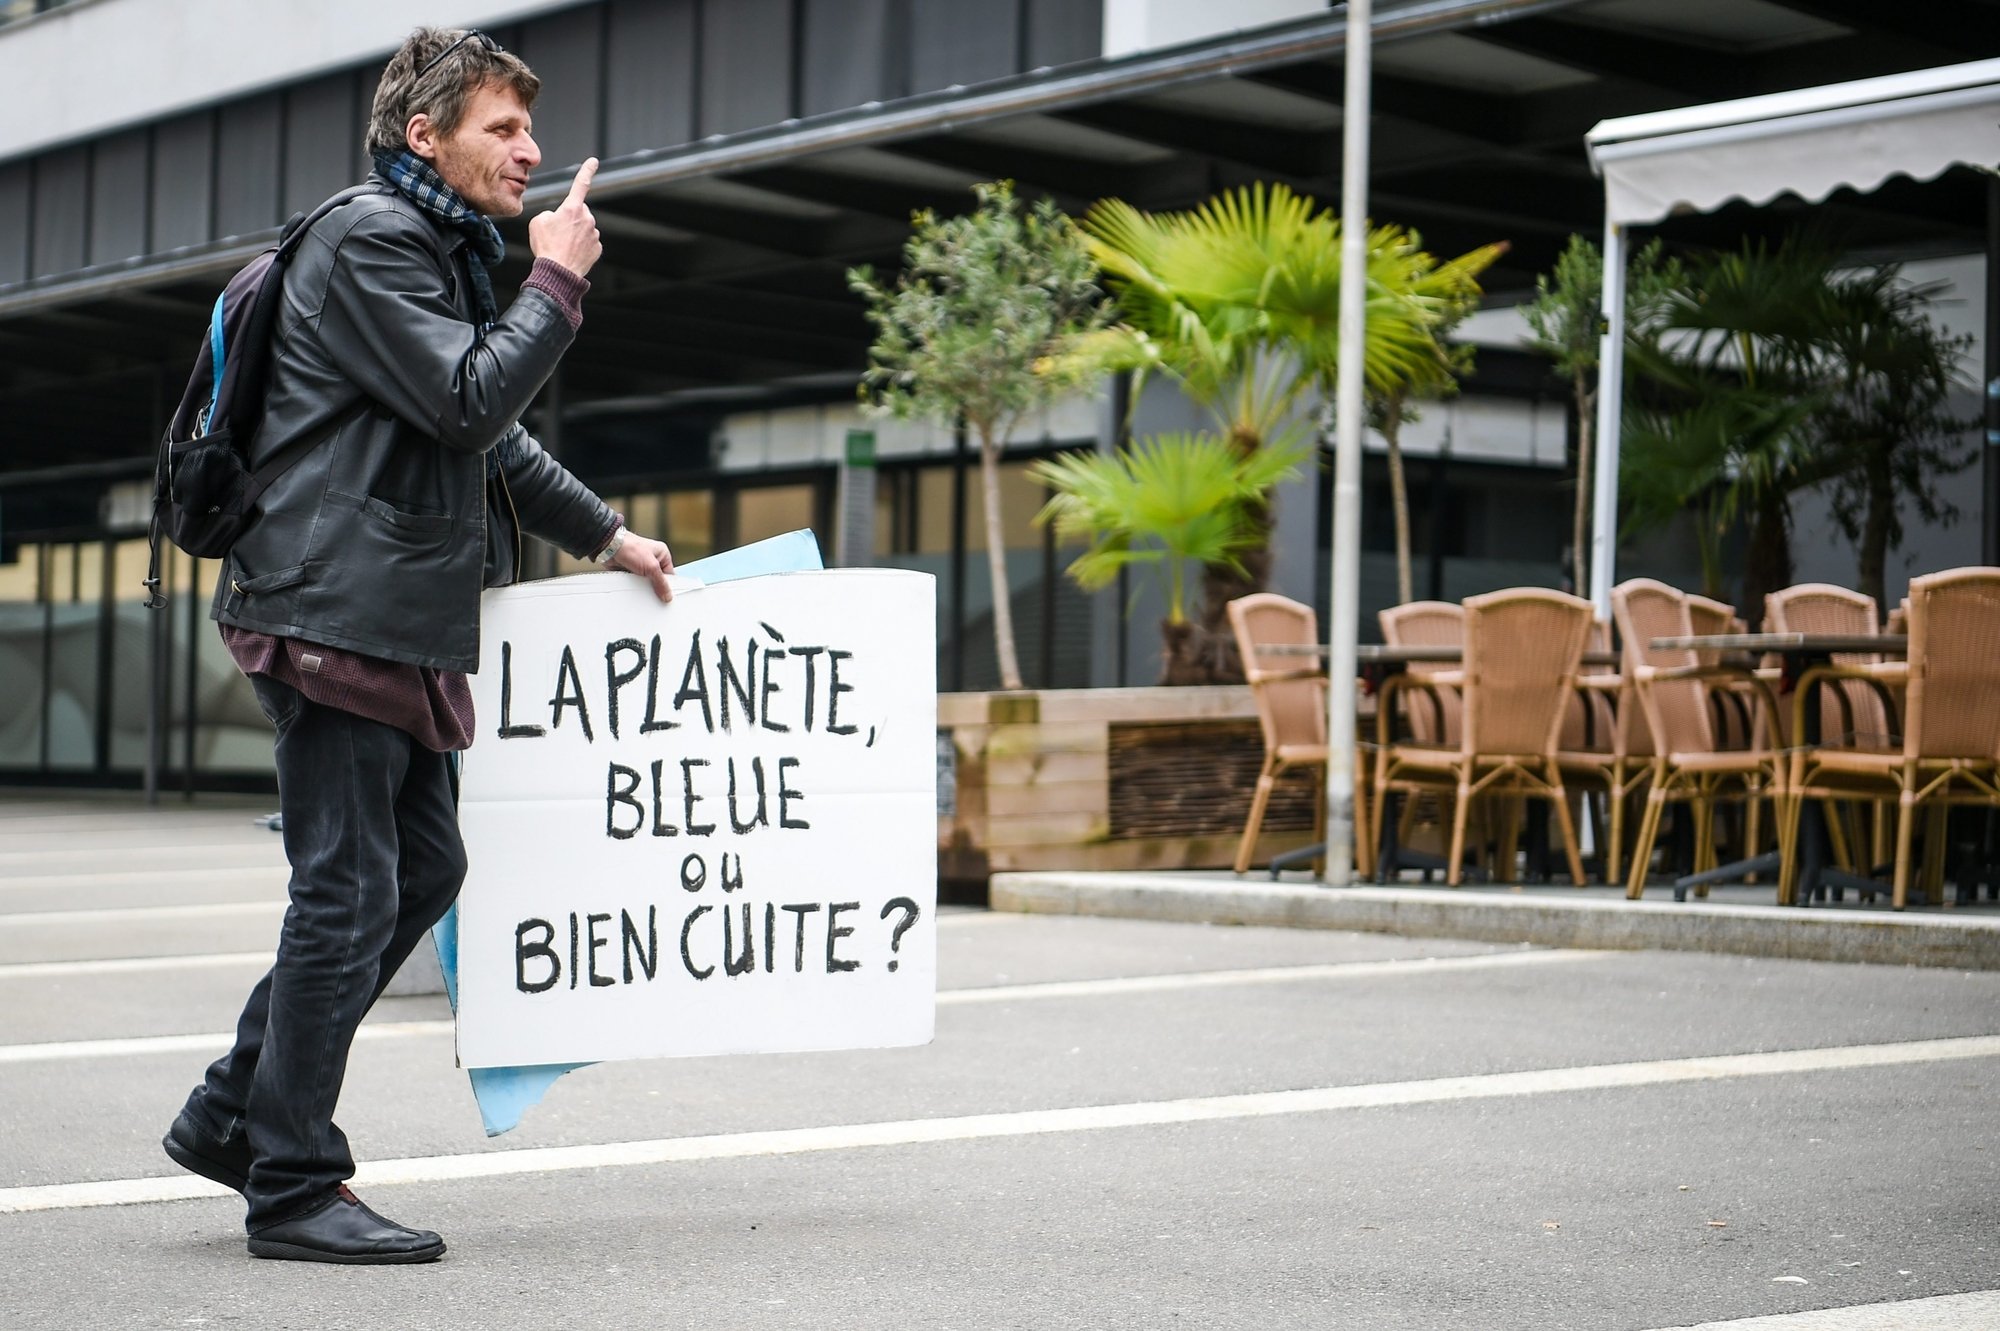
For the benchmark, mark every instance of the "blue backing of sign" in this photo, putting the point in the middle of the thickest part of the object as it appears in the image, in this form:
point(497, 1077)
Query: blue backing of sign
point(505, 1094)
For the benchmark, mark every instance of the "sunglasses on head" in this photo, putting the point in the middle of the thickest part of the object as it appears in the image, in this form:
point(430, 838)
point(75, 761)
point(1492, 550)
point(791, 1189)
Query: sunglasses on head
point(470, 35)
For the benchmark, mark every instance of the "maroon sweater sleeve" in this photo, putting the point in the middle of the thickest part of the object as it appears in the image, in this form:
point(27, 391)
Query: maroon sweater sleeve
point(560, 285)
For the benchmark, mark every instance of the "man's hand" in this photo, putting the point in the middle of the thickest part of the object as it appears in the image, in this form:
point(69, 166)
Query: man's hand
point(650, 559)
point(568, 235)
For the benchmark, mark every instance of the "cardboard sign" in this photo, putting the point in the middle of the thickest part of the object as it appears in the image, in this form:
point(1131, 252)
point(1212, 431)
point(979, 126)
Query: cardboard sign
point(705, 827)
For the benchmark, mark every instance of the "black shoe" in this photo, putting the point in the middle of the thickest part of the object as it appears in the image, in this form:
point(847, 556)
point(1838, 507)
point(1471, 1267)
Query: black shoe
point(198, 1153)
point(343, 1230)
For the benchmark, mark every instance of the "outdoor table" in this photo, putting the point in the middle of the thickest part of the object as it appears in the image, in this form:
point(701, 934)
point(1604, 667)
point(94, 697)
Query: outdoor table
point(1801, 652)
point(1389, 658)
point(1378, 661)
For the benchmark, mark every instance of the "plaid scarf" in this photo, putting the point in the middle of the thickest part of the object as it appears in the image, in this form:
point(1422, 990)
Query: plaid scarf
point(418, 181)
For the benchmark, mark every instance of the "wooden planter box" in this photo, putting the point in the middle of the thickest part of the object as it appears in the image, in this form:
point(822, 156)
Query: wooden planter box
point(1152, 778)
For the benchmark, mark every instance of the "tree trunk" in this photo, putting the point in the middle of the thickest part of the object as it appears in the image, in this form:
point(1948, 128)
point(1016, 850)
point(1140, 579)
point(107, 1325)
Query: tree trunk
point(1208, 654)
point(1874, 547)
point(1767, 564)
point(1213, 643)
point(1586, 428)
point(1399, 498)
point(996, 562)
point(1182, 659)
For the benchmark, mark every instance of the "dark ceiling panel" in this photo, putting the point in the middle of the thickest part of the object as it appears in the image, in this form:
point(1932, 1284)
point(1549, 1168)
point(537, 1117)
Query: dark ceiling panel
point(566, 50)
point(247, 148)
point(746, 64)
point(118, 197)
point(323, 131)
point(1063, 31)
point(1942, 25)
point(853, 53)
point(183, 158)
point(16, 190)
point(953, 42)
point(649, 74)
point(62, 203)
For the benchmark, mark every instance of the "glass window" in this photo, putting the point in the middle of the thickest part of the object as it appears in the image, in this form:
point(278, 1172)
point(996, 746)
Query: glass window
point(646, 515)
point(71, 708)
point(690, 524)
point(21, 667)
point(773, 510)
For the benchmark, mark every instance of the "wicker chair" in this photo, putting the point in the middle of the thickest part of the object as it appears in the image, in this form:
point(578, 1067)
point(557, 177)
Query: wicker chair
point(1851, 711)
point(1522, 649)
point(1433, 717)
point(1429, 624)
point(1605, 753)
point(1290, 692)
point(1950, 752)
point(1734, 709)
point(1673, 692)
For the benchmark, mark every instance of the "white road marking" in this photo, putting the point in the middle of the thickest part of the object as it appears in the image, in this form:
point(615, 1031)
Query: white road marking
point(218, 1041)
point(54, 970)
point(88, 878)
point(207, 1042)
point(1090, 1118)
point(1978, 1311)
point(83, 855)
point(141, 914)
point(1334, 970)
point(24, 970)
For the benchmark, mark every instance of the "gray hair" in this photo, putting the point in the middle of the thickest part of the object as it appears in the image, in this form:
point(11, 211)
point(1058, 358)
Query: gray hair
point(411, 85)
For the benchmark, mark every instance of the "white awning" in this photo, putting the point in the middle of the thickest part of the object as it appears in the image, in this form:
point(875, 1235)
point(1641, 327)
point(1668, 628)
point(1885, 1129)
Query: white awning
point(1809, 143)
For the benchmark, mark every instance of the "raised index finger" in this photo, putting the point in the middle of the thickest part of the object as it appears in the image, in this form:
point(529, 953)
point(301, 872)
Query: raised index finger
point(581, 185)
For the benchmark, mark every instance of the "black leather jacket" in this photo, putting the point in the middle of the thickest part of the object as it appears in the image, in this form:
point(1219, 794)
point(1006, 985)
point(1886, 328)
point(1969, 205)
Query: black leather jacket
point(381, 537)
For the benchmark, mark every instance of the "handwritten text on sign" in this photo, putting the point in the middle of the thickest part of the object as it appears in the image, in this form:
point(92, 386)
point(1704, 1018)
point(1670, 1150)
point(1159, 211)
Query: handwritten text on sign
point(699, 828)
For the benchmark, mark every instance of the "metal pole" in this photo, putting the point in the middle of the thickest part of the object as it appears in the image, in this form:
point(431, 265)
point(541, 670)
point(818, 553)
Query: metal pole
point(1610, 410)
point(1989, 511)
point(1344, 614)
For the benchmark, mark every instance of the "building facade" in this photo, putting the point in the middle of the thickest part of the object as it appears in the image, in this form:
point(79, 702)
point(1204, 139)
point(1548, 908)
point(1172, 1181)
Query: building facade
point(753, 151)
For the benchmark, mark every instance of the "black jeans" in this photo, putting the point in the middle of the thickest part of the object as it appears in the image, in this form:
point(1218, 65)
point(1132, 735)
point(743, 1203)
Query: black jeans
point(371, 830)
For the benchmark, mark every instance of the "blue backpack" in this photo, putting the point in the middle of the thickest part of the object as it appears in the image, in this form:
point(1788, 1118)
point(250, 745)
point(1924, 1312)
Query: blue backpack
point(204, 492)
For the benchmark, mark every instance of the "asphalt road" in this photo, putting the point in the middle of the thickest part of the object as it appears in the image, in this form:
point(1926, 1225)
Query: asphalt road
point(1120, 1124)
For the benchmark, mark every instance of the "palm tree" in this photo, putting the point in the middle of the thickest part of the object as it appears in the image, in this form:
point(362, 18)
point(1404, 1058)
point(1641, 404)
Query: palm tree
point(1889, 416)
point(1168, 500)
point(1735, 373)
point(1238, 302)
point(1777, 369)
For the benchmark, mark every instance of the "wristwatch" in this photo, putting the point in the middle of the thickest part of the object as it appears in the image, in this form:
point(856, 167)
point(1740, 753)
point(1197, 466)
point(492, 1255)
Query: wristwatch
point(610, 550)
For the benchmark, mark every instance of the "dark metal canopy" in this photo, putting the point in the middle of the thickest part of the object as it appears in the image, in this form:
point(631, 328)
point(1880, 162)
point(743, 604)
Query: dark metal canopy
point(724, 271)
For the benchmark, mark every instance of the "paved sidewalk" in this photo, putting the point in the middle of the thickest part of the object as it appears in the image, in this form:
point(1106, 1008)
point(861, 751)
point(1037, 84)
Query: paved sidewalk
point(1736, 920)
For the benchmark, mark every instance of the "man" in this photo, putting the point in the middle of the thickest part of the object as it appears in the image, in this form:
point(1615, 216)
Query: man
point(353, 602)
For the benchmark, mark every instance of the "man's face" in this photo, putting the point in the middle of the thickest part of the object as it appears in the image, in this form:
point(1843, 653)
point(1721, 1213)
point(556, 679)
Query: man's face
point(489, 157)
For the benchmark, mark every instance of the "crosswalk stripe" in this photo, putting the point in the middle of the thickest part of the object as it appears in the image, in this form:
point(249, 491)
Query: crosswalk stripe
point(1038, 1122)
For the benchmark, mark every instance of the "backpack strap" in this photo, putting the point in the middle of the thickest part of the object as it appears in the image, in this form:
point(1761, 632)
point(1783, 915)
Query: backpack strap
point(294, 235)
point(289, 240)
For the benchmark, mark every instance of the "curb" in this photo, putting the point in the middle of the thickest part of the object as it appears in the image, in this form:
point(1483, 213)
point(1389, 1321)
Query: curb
point(1757, 931)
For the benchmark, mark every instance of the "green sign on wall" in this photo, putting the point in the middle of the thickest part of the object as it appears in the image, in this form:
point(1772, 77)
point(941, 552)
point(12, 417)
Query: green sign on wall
point(860, 448)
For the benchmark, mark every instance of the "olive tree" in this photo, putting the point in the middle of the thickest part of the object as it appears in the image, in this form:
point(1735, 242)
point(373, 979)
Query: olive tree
point(968, 330)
